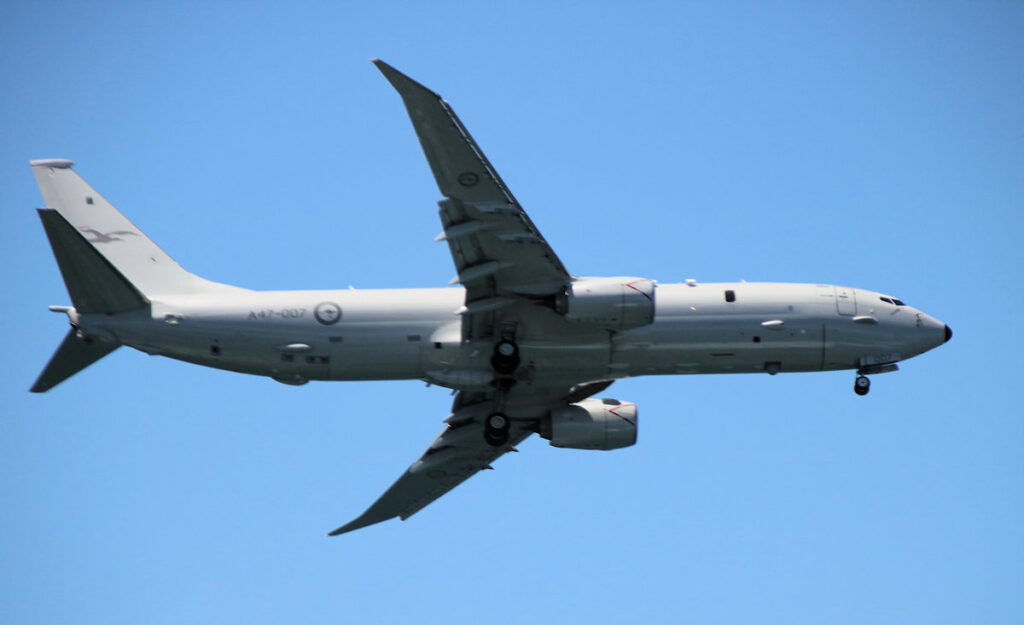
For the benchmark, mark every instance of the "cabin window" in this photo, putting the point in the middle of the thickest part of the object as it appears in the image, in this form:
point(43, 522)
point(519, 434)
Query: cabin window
point(412, 338)
point(335, 339)
point(287, 357)
point(757, 339)
point(730, 296)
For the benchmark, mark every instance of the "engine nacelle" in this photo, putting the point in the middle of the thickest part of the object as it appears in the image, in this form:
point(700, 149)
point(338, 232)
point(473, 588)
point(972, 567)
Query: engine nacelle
point(613, 303)
point(592, 424)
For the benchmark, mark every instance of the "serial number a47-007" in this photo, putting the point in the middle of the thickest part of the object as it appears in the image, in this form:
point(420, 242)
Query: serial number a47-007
point(284, 313)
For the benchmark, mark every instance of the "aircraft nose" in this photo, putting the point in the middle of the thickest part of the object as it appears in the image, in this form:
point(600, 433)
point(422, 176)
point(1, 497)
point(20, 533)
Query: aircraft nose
point(949, 334)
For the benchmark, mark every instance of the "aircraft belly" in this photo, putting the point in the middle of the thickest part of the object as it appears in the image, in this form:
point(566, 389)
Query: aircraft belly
point(585, 360)
point(375, 356)
point(719, 357)
point(717, 346)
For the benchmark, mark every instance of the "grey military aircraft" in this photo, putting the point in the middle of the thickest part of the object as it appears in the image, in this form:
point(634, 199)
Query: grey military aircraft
point(524, 344)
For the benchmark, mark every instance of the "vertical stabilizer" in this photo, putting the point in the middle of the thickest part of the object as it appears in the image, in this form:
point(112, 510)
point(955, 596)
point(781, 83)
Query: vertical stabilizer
point(145, 266)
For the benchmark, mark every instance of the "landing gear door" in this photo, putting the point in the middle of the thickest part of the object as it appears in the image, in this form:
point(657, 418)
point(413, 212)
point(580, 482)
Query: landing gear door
point(846, 301)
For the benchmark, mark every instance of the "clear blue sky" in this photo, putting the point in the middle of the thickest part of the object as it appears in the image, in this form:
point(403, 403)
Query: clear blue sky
point(878, 145)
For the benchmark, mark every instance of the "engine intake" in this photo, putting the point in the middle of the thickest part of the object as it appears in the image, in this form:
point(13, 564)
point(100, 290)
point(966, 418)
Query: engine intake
point(613, 303)
point(592, 424)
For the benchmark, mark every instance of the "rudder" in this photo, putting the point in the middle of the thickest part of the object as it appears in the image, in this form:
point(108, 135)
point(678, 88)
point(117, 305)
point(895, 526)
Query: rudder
point(94, 285)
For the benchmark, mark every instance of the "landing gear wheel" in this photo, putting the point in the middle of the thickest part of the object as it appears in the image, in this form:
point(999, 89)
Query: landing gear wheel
point(496, 427)
point(506, 357)
point(861, 385)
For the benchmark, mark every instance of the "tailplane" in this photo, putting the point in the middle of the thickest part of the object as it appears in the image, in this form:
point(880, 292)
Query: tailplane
point(74, 354)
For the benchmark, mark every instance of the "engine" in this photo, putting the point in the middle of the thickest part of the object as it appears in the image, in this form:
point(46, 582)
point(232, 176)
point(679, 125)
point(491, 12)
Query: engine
point(592, 424)
point(613, 303)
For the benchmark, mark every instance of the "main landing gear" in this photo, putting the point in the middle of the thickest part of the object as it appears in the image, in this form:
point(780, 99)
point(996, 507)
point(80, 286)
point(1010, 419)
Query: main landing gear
point(861, 385)
point(506, 357)
point(505, 361)
point(496, 427)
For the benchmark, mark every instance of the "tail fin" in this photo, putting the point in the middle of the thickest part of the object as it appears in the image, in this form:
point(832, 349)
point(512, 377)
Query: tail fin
point(145, 267)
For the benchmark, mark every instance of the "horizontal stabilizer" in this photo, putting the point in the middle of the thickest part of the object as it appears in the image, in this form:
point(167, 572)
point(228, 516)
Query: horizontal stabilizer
point(73, 355)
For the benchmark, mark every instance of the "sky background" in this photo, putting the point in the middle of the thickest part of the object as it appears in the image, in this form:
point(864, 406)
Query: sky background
point(877, 145)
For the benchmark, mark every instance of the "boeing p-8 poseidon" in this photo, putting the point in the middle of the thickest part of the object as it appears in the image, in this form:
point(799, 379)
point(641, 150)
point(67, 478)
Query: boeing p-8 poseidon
point(524, 344)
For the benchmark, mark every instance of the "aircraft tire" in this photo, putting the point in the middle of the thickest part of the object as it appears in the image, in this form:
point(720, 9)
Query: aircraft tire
point(861, 385)
point(506, 357)
point(496, 427)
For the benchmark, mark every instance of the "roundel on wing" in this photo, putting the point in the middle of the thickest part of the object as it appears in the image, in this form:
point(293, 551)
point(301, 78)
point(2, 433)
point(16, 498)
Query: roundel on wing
point(468, 179)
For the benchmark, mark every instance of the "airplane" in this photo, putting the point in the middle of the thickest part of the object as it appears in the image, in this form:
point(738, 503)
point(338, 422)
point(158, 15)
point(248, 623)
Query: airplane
point(524, 345)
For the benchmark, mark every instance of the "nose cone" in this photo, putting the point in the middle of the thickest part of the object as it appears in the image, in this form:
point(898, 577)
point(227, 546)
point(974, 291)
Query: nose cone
point(921, 333)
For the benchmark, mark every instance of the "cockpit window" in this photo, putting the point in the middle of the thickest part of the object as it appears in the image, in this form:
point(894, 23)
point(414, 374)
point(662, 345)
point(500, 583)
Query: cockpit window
point(892, 300)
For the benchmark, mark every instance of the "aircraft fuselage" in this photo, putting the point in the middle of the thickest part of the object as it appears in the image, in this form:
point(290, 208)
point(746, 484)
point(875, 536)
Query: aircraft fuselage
point(297, 336)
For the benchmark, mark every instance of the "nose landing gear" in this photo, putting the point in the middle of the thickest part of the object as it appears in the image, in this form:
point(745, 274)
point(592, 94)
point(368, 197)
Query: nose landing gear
point(862, 384)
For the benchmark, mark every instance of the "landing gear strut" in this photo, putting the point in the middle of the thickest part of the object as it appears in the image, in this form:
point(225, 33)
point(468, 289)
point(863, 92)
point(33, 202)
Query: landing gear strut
point(496, 427)
point(861, 385)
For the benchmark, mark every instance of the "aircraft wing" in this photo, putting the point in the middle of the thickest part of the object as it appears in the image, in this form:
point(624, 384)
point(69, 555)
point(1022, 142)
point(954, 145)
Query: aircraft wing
point(502, 260)
point(454, 456)
point(497, 250)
